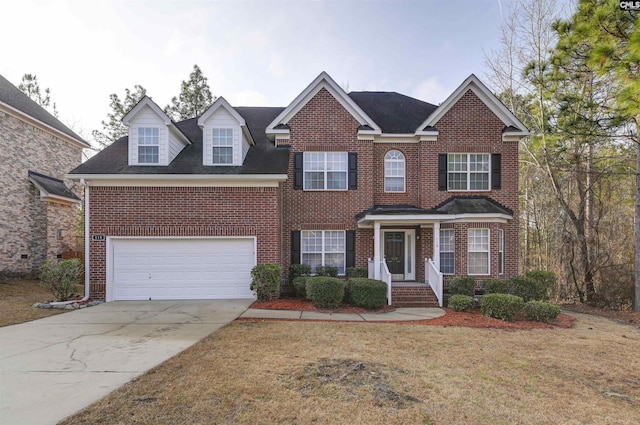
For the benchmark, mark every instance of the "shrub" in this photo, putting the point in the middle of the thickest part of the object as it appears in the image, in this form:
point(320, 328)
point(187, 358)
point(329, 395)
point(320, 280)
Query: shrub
point(496, 286)
point(324, 291)
point(367, 293)
point(463, 285)
point(541, 312)
point(357, 272)
point(460, 302)
point(501, 306)
point(300, 285)
point(327, 271)
point(265, 280)
point(529, 289)
point(61, 279)
point(297, 270)
point(547, 281)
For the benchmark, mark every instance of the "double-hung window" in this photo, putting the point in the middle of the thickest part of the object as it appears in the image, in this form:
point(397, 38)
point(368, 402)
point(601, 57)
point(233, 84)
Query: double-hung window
point(325, 170)
point(478, 253)
point(447, 251)
point(394, 171)
point(323, 248)
point(148, 145)
point(222, 146)
point(468, 171)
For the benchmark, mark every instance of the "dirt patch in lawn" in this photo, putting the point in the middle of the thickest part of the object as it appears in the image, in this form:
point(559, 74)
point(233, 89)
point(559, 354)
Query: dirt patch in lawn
point(472, 319)
point(17, 297)
point(374, 374)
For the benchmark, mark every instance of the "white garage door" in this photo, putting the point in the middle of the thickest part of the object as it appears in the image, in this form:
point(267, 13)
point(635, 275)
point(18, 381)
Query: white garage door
point(171, 269)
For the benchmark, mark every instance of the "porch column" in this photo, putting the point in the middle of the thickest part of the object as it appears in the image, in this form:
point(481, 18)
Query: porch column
point(436, 244)
point(376, 250)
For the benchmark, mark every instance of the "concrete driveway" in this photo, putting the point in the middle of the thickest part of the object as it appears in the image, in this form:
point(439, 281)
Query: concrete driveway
point(51, 368)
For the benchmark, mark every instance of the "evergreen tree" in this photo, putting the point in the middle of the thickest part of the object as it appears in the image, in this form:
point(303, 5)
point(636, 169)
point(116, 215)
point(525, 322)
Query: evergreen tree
point(113, 128)
point(29, 85)
point(194, 98)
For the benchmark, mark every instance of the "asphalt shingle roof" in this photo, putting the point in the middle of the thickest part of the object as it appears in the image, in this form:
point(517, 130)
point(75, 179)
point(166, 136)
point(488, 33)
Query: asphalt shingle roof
point(262, 158)
point(14, 97)
point(472, 205)
point(393, 112)
point(52, 186)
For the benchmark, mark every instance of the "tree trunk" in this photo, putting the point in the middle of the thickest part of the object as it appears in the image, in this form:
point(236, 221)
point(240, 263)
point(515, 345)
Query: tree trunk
point(636, 303)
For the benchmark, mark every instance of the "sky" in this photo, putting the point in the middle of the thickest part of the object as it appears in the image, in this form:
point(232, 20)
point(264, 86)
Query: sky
point(254, 53)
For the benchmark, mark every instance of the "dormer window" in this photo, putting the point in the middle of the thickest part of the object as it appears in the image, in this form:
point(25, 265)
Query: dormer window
point(222, 146)
point(148, 145)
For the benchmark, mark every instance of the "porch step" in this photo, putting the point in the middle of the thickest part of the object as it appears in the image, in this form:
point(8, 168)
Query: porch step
point(413, 295)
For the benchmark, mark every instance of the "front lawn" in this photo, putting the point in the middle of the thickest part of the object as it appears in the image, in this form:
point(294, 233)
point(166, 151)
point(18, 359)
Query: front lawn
point(16, 299)
point(366, 373)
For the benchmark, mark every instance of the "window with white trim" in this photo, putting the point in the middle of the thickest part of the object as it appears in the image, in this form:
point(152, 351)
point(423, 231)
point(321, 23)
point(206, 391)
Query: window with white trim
point(501, 251)
point(325, 170)
point(478, 251)
point(222, 146)
point(447, 251)
point(148, 145)
point(468, 171)
point(323, 248)
point(394, 171)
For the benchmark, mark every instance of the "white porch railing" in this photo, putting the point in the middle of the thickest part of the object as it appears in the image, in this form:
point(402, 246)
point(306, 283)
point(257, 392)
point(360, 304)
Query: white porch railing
point(385, 276)
point(433, 276)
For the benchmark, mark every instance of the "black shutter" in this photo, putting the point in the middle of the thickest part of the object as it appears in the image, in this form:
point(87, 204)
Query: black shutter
point(442, 171)
point(297, 170)
point(496, 170)
point(353, 170)
point(295, 247)
point(351, 248)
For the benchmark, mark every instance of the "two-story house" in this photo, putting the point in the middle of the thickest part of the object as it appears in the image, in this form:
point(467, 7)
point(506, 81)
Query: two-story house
point(411, 190)
point(38, 209)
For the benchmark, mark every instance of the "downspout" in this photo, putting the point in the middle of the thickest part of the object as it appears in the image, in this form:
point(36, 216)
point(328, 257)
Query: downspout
point(86, 247)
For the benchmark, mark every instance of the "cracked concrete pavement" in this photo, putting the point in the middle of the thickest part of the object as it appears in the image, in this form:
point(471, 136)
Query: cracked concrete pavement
point(53, 367)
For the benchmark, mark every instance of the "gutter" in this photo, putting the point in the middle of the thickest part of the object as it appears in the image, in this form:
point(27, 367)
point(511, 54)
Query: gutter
point(86, 248)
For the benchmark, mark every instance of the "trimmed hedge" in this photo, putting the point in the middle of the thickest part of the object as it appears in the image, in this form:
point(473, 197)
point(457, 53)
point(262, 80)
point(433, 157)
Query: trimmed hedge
point(459, 302)
point(325, 292)
point(367, 293)
point(300, 285)
point(496, 286)
point(541, 312)
point(529, 289)
point(297, 270)
point(463, 285)
point(353, 272)
point(546, 280)
point(327, 271)
point(265, 280)
point(501, 306)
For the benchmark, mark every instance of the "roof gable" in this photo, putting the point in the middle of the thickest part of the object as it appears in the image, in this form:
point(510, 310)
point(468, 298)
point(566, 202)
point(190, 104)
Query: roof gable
point(146, 102)
point(474, 84)
point(220, 103)
point(322, 81)
point(16, 100)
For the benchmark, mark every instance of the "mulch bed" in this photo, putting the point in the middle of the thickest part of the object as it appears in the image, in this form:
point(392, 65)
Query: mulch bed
point(472, 319)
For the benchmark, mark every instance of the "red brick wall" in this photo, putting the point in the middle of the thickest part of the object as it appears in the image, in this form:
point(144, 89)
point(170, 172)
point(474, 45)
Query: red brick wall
point(182, 211)
point(324, 125)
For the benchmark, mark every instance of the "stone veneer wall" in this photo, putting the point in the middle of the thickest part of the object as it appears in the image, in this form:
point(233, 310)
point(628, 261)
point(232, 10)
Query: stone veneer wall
point(29, 225)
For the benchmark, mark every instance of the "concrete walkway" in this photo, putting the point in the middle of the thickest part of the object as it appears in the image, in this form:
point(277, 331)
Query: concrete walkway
point(53, 367)
point(398, 315)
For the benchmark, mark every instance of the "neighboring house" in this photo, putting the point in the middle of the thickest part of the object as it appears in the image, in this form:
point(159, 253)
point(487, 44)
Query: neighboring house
point(38, 209)
point(366, 179)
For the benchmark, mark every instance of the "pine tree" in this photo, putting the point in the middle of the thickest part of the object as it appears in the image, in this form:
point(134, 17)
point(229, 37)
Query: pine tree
point(113, 128)
point(195, 97)
point(29, 85)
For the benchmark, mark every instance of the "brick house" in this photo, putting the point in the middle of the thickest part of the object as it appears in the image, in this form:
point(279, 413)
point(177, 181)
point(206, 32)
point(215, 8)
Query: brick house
point(38, 208)
point(412, 191)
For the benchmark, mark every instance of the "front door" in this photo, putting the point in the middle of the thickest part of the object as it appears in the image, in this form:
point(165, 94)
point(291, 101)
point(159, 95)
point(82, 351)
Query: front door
point(394, 253)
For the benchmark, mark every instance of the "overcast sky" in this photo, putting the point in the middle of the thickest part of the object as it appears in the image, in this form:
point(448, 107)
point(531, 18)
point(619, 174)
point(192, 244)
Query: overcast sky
point(254, 53)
